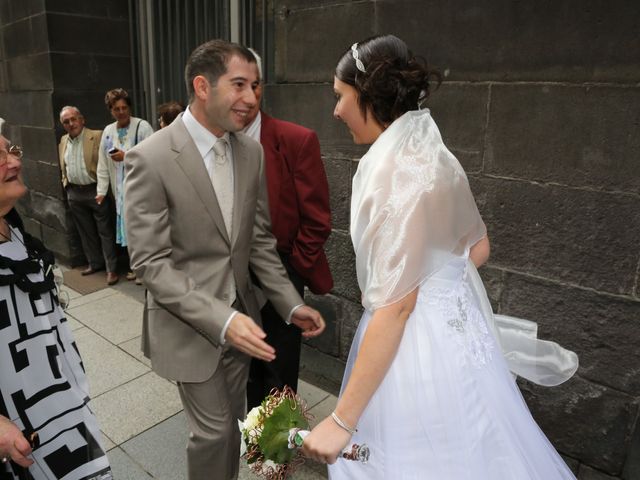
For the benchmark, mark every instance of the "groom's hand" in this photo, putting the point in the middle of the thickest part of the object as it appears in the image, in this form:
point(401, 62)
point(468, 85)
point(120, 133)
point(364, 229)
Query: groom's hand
point(245, 335)
point(309, 320)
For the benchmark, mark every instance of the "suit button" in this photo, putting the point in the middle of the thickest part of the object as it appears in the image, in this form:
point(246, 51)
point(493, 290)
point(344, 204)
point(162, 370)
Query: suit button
point(225, 297)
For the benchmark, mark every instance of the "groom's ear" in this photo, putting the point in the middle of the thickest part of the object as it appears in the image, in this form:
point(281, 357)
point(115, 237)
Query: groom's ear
point(201, 87)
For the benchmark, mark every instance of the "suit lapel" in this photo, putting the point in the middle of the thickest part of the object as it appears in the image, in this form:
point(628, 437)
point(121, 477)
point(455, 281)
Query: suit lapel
point(240, 177)
point(61, 151)
point(192, 164)
point(87, 150)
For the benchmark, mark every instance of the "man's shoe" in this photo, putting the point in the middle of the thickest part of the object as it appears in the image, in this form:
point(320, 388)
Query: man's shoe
point(89, 270)
point(112, 278)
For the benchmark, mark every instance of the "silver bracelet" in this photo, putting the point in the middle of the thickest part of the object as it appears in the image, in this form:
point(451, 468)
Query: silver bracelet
point(343, 425)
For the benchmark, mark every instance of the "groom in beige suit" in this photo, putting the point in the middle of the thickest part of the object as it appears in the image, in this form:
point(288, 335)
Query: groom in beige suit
point(197, 220)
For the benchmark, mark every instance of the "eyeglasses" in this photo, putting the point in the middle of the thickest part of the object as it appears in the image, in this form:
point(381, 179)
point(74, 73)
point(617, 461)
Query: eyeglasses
point(14, 150)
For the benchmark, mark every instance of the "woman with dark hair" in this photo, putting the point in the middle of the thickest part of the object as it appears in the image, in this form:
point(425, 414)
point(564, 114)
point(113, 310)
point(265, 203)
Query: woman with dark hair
point(47, 430)
point(117, 138)
point(168, 112)
point(426, 386)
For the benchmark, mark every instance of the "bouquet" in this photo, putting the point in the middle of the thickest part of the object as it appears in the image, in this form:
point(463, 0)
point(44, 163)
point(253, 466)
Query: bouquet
point(273, 432)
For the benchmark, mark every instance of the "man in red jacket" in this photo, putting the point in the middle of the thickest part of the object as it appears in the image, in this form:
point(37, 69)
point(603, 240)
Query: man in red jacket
point(301, 222)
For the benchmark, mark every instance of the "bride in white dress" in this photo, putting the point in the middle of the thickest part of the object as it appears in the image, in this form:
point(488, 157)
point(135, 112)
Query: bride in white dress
point(428, 385)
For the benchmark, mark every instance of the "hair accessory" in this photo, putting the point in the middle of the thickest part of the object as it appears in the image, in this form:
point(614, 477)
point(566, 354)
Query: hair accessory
point(356, 57)
point(343, 425)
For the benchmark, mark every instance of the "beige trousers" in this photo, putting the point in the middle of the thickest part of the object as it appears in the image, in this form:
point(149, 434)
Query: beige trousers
point(212, 409)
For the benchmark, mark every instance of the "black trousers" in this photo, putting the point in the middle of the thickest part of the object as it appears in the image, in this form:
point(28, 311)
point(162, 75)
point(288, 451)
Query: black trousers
point(95, 224)
point(286, 339)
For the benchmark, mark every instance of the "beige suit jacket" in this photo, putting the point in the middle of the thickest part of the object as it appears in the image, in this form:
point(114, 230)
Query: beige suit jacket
point(90, 148)
point(179, 245)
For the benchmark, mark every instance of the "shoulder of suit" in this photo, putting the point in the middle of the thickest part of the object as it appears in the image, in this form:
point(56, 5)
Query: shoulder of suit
point(89, 131)
point(163, 140)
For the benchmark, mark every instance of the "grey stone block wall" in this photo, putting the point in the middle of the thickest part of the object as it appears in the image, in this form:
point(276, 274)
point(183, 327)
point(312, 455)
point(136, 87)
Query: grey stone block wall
point(540, 104)
point(55, 53)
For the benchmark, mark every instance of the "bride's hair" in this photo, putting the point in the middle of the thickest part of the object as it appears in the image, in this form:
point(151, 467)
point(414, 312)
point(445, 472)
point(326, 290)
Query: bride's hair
point(387, 76)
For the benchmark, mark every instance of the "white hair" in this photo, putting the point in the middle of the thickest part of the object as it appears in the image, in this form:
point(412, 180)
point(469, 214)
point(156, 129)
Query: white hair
point(258, 62)
point(70, 107)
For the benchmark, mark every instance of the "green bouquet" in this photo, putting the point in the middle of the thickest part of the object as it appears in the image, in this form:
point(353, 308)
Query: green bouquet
point(273, 432)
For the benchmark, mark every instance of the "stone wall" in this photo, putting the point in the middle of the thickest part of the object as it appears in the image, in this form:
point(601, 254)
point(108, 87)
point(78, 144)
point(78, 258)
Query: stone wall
point(541, 105)
point(55, 53)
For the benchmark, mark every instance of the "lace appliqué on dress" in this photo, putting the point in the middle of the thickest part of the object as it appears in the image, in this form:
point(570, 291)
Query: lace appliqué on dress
point(464, 321)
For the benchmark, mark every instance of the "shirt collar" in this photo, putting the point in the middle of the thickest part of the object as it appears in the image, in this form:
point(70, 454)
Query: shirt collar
point(78, 138)
point(202, 137)
point(253, 129)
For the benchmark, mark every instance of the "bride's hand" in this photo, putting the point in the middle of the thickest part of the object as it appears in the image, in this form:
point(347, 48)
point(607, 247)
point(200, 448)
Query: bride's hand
point(325, 442)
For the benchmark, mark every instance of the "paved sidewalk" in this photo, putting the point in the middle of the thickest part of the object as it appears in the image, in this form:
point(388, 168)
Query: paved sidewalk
point(140, 414)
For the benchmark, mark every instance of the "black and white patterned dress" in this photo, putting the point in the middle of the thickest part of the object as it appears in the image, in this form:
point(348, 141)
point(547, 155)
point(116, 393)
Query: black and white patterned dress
point(43, 387)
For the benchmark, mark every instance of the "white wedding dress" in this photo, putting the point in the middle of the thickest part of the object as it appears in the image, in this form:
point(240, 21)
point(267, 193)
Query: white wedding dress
point(449, 407)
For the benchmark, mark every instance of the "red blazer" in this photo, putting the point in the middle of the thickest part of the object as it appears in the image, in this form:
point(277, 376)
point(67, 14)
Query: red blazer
point(298, 198)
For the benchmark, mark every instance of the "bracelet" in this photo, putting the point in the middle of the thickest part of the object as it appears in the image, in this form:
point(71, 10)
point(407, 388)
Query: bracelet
point(342, 425)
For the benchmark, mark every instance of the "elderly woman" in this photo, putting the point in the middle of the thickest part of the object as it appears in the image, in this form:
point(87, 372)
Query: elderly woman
point(117, 138)
point(46, 428)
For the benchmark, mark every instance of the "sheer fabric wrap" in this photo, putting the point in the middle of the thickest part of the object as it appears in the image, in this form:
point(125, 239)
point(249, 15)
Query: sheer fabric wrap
point(540, 361)
point(412, 212)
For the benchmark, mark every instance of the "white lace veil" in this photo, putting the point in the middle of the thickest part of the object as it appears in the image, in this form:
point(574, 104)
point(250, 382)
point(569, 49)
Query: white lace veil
point(411, 210)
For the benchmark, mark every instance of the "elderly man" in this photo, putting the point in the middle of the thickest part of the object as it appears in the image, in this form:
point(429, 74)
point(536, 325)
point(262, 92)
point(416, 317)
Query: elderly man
point(78, 152)
point(301, 222)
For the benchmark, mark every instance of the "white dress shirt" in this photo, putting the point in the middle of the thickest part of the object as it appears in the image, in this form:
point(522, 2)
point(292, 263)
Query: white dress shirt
point(254, 128)
point(204, 141)
point(74, 161)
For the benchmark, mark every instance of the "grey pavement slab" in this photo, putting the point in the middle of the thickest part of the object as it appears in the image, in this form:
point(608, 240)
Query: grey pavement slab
point(311, 394)
point(124, 467)
point(131, 289)
point(116, 317)
point(132, 347)
point(161, 450)
point(92, 297)
point(107, 444)
point(136, 406)
point(107, 366)
point(323, 409)
point(73, 323)
point(70, 292)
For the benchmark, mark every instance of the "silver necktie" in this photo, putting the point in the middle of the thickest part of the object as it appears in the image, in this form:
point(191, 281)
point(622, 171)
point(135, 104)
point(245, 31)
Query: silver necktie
point(222, 179)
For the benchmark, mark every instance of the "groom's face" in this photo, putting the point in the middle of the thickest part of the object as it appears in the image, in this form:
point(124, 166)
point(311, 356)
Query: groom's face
point(257, 89)
point(230, 101)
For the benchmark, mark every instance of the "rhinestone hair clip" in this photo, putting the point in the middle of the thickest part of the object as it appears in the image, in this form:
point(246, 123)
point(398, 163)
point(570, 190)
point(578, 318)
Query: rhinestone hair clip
point(356, 57)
